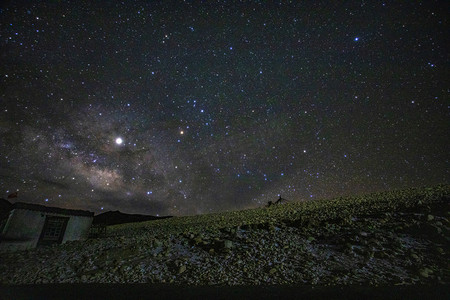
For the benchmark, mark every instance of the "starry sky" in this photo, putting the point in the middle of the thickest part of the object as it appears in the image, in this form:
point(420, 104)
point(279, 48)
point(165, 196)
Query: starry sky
point(191, 107)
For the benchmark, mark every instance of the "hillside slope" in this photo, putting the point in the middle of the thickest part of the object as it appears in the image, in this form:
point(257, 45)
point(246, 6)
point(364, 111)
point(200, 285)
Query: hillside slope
point(391, 238)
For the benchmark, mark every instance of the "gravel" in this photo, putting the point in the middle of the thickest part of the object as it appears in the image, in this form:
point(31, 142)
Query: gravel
point(406, 246)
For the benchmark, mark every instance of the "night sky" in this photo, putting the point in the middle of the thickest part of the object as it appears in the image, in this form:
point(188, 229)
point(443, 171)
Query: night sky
point(171, 107)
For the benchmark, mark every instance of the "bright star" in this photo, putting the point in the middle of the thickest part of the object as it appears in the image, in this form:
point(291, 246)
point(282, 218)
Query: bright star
point(119, 141)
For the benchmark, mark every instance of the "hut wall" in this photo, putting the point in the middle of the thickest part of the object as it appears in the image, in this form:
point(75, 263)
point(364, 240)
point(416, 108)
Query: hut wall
point(77, 228)
point(22, 230)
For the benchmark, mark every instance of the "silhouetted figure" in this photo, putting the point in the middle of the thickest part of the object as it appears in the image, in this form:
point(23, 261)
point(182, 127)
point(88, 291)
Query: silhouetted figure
point(279, 200)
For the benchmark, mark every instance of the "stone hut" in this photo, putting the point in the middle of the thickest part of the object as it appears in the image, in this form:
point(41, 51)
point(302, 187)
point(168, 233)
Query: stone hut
point(31, 225)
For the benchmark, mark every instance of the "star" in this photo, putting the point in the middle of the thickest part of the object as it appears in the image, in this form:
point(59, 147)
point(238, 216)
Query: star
point(119, 141)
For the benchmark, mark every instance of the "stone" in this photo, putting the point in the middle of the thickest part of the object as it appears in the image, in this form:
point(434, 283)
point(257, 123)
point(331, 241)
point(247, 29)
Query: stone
point(227, 244)
point(425, 272)
point(440, 250)
point(415, 256)
point(182, 269)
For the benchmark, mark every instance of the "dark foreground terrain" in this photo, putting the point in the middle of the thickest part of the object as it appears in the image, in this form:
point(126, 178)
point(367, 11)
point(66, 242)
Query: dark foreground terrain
point(392, 240)
point(155, 291)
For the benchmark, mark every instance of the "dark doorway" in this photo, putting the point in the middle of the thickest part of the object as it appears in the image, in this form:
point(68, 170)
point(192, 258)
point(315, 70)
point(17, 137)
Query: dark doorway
point(53, 231)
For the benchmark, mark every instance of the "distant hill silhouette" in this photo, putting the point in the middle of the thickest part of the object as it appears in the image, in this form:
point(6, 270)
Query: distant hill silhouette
point(117, 217)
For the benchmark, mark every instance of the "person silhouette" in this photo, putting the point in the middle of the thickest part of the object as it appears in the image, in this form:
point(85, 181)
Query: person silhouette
point(279, 200)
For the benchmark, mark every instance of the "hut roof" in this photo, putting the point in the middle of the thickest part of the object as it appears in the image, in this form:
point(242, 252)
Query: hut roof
point(56, 210)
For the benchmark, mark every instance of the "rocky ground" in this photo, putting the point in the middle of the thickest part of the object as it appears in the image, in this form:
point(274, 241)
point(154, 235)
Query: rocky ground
point(402, 246)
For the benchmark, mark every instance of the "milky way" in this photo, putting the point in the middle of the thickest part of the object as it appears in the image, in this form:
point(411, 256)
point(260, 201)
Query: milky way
point(167, 107)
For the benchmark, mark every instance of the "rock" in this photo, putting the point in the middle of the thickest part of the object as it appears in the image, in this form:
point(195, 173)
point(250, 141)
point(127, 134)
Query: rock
point(415, 257)
point(198, 240)
point(227, 244)
point(425, 272)
point(182, 269)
